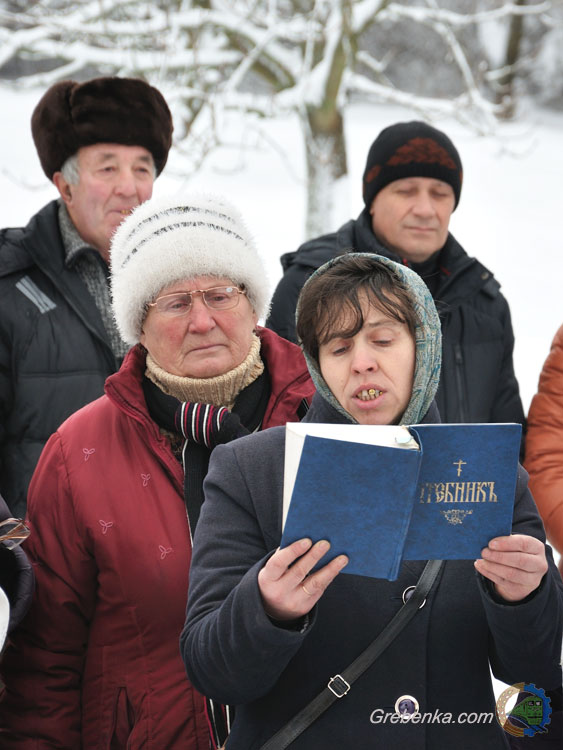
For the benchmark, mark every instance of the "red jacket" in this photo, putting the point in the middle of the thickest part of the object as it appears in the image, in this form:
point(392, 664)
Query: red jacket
point(96, 663)
point(544, 445)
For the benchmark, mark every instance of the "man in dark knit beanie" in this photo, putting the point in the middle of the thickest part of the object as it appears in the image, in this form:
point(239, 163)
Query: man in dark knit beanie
point(411, 185)
point(102, 143)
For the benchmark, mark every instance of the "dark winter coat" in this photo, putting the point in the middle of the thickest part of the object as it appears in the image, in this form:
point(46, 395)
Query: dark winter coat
point(96, 663)
point(235, 653)
point(54, 351)
point(16, 576)
point(477, 382)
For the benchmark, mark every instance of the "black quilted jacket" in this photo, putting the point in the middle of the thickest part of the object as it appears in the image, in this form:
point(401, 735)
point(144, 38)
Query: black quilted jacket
point(477, 383)
point(54, 351)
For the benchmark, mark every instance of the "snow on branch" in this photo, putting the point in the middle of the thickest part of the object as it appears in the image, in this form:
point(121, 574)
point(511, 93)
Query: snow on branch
point(365, 13)
point(317, 81)
point(395, 11)
point(487, 121)
point(475, 112)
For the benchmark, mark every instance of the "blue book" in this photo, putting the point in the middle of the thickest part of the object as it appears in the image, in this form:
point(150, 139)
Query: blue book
point(384, 494)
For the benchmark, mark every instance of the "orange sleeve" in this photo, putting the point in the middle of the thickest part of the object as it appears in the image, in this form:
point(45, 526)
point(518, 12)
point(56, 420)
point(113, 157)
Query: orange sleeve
point(544, 444)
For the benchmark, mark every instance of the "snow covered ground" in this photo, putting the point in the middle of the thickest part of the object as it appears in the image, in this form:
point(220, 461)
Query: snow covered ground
point(508, 217)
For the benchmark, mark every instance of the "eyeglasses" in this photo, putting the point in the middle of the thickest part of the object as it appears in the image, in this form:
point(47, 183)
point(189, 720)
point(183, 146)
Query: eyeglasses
point(180, 303)
point(13, 532)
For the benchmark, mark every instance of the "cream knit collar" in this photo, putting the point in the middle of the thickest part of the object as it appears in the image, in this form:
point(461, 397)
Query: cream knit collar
point(221, 390)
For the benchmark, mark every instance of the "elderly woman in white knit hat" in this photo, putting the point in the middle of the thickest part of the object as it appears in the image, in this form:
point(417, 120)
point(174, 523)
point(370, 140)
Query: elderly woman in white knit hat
point(116, 494)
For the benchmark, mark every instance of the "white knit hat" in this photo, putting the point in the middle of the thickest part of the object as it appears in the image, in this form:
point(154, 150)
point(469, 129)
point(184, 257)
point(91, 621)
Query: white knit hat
point(176, 238)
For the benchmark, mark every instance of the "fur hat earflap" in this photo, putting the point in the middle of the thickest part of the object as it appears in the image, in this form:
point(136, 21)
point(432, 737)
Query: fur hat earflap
point(127, 111)
point(170, 239)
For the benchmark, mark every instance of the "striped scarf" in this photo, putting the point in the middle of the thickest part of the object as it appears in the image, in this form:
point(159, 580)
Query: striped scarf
point(202, 427)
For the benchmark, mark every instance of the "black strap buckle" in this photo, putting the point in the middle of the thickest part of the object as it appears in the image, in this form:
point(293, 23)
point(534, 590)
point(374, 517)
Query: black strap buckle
point(338, 686)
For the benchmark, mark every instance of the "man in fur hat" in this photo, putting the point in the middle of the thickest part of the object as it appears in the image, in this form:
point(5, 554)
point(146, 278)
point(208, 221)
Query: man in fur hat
point(411, 185)
point(102, 143)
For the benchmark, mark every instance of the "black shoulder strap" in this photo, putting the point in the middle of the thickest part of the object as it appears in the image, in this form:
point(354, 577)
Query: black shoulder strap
point(340, 685)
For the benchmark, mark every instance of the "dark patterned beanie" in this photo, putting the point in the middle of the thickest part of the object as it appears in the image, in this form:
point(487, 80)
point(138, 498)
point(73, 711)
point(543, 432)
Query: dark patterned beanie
point(411, 149)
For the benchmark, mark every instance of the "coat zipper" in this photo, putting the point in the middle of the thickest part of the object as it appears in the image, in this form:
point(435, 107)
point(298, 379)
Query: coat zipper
point(461, 395)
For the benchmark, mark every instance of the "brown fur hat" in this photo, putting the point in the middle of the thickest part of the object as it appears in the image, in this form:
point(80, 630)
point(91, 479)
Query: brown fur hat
point(127, 111)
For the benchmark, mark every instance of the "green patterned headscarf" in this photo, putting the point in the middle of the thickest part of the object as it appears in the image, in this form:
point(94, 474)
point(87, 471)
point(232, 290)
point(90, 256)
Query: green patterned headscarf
point(428, 341)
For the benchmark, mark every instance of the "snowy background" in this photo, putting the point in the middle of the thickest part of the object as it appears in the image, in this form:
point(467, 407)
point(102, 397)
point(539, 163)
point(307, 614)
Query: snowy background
point(509, 215)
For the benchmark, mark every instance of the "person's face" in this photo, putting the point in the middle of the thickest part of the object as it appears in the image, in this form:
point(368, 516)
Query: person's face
point(204, 342)
point(370, 374)
point(411, 216)
point(113, 179)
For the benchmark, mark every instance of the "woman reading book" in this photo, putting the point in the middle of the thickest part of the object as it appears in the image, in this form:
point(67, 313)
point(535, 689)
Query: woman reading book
point(273, 629)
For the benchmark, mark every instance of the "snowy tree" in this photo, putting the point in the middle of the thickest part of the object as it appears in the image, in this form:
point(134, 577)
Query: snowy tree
point(546, 68)
point(264, 57)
